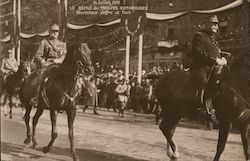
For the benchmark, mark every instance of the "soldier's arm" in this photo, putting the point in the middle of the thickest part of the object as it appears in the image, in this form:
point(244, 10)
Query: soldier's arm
point(199, 49)
point(40, 52)
point(2, 66)
point(15, 66)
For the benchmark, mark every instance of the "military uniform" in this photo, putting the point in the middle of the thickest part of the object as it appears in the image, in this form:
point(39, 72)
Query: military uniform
point(9, 66)
point(206, 56)
point(50, 52)
point(205, 51)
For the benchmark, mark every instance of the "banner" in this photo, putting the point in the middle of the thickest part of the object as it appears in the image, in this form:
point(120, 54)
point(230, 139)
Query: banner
point(155, 16)
point(6, 39)
point(78, 27)
point(26, 36)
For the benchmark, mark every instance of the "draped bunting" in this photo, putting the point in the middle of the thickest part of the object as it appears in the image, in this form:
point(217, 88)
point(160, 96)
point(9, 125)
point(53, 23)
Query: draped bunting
point(155, 16)
point(78, 27)
point(152, 16)
point(3, 3)
point(26, 36)
point(226, 7)
point(6, 39)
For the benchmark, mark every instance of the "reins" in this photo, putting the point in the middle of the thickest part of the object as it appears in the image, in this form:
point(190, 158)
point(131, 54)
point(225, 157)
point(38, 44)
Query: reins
point(77, 76)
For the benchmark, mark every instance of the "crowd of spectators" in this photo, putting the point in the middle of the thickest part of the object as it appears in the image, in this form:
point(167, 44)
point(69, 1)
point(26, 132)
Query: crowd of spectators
point(140, 96)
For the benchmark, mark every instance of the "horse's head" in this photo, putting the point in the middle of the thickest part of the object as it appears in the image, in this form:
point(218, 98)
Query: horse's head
point(23, 68)
point(82, 55)
point(233, 94)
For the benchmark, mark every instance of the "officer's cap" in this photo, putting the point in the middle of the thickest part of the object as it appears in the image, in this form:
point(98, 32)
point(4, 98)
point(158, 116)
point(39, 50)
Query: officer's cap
point(55, 27)
point(213, 19)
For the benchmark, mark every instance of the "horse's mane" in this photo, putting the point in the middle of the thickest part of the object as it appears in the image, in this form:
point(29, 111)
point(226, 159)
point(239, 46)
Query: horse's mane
point(70, 50)
point(238, 81)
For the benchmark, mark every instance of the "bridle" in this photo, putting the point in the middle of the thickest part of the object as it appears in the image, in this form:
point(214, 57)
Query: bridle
point(80, 73)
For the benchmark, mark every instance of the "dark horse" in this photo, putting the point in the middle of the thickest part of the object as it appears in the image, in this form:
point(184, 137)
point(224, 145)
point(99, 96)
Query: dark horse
point(176, 96)
point(59, 92)
point(13, 83)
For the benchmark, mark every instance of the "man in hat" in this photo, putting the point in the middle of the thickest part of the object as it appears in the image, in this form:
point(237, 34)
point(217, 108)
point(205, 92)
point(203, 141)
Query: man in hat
point(206, 55)
point(50, 52)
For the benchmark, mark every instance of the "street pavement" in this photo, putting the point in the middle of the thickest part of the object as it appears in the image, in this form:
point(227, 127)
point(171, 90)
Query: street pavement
point(107, 137)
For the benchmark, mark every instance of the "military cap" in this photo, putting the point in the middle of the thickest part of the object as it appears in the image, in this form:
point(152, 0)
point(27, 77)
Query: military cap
point(55, 27)
point(213, 19)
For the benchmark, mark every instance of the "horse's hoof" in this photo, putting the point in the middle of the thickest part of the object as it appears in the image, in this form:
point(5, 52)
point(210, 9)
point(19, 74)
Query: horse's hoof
point(170, 153)
point(27, 141)
point(174, 159)
point(46, 149)
point(34, 145)
point(10, 117)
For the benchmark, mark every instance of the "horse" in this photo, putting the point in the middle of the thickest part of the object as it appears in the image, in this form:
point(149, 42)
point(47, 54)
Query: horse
point(12, 85)
point(59, 93)
point(176, 96)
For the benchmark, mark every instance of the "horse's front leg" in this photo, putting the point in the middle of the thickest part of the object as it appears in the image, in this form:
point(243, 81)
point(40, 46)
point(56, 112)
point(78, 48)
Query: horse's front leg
point(4, 104)
point(71, 113)
point(53, 118)
point(27, 123)
point(245, 135)
point(10, 104)
point(168, 126)
point(36, 117)
point(224, 128)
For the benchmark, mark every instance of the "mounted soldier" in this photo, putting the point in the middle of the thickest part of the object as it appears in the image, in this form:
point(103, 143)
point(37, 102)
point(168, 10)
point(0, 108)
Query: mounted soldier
point(9, 65)
point(50, 52)
point(207, 59)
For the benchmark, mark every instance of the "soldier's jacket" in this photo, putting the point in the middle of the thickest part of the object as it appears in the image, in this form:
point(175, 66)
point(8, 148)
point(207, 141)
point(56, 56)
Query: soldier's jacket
point(121, 89)
point(204, 50)
point(50, 49)
point(9, 66)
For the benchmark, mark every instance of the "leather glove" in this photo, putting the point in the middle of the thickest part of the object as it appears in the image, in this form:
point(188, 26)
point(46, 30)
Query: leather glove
point(43, 62)
point(219, 61)
point(224, 61)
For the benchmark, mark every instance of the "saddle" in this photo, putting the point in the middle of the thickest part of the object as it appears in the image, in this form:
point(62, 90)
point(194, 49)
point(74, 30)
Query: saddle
point(217, 75)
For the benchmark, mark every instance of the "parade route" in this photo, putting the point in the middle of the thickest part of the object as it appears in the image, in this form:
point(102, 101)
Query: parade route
point(107, 137)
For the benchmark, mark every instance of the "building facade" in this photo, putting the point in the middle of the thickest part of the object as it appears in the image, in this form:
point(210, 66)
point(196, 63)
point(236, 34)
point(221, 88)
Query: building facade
point(233, 36)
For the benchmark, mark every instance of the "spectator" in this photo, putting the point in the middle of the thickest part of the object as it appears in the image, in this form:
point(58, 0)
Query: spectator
point(91, 95)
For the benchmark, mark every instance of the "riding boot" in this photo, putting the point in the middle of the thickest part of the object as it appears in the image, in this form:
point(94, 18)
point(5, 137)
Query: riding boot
point(202, 109)
point(205, 106)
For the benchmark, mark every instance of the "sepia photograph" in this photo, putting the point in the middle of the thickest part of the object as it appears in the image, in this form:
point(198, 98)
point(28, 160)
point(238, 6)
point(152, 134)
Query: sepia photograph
point(124, 80)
